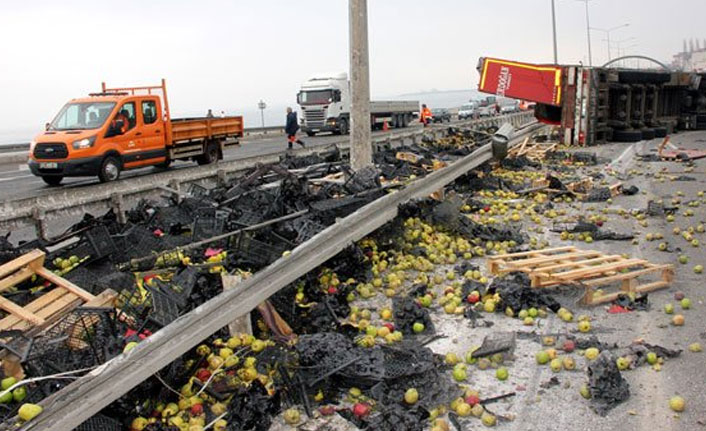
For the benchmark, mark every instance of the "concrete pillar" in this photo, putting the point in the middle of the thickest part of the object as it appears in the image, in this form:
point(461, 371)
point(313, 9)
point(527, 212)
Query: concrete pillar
point(361, 148)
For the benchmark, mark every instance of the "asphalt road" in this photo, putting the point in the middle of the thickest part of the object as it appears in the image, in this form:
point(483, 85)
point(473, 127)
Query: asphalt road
point(16, 181)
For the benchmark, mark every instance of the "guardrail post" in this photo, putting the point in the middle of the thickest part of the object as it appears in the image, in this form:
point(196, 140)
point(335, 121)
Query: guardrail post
point(176, 186)
point(117, 204)
point(38, 214)
point(222, 177)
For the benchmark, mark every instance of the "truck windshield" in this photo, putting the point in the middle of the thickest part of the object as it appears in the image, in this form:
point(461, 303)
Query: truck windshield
point(82, 116)
point(316, 97)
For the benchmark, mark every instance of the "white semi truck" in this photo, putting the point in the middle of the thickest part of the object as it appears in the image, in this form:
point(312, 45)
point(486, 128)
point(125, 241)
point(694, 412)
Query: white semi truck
point(325, 102)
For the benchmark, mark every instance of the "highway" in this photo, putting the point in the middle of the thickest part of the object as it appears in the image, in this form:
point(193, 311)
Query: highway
point(17, 182)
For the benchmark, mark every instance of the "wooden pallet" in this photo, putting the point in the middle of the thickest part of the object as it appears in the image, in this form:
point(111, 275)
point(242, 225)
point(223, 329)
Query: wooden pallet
point(535, 151)
point(585, 268)
point(64, 297)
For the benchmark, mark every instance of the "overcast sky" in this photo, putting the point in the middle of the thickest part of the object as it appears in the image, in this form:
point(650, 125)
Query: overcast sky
point(229, 54)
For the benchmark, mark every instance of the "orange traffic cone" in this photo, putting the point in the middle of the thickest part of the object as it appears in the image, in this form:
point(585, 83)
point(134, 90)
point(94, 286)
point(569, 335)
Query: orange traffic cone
point(385, 126)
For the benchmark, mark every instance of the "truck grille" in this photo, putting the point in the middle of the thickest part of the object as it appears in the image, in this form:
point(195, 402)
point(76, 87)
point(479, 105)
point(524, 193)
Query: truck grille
point(315, 117)
point(51, 151)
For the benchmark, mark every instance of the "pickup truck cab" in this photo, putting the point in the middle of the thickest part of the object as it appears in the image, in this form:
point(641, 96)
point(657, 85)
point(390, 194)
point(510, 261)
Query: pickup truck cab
point(125, 128)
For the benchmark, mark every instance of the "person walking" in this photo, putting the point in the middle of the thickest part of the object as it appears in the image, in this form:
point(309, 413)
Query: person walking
point(209, 114)
point(291, 127)
point(425, 116)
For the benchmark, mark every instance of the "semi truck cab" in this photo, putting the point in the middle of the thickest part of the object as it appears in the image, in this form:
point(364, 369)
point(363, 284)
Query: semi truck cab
point(325, 104)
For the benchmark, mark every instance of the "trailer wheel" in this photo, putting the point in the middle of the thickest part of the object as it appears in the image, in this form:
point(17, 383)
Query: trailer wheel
point(53, 180)
point(648, 134)
point(660, 132)
point(210, 156)
point(110, 169)
point(627, 135)
point(164, 165)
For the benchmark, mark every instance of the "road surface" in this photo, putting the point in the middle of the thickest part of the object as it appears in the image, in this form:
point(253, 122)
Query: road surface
point(16, 181)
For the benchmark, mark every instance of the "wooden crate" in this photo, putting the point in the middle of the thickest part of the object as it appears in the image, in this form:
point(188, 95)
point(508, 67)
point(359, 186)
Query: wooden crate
point(535, 151)
point(64, 297)
point(585, 268)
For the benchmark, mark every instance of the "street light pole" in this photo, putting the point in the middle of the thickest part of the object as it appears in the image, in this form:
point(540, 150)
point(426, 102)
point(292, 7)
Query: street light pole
point(361, 147)
point(607, 32)
point(556, 56)
point(261, 106)
point(588, 34)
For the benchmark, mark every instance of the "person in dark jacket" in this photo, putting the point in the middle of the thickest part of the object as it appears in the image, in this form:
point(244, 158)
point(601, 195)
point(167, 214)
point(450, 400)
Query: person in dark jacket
point(291, 128)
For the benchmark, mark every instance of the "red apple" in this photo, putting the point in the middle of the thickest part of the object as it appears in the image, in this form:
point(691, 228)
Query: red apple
point(389, 326)
point(472, 400)
point(361, 409)
point(473, 297)
point(196, 409)
point(569, 346)
point(203, 374)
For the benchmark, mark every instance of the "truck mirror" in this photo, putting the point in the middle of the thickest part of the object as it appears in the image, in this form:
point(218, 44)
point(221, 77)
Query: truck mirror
point(47, 126)
point(299, 98)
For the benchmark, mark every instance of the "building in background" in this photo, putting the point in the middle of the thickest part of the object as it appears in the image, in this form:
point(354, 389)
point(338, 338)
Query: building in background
point(692, 58)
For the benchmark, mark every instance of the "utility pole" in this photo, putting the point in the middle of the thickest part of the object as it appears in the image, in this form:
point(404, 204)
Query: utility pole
point(556, 56)
point(361, 147)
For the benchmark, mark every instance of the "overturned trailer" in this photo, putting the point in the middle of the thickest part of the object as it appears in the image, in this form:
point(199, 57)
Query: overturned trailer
point(597, 104)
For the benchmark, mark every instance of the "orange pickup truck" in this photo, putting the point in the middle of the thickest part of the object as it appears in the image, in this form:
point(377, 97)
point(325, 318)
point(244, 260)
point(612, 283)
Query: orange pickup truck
point(125, 128)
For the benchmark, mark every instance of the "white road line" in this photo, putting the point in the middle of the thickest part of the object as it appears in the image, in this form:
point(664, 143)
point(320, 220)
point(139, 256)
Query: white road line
point(15, 178)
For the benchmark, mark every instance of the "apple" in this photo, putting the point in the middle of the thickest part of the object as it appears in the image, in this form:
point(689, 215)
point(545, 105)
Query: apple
point(418, 327)
point(668, 308)
point(411, 396)
point(473, 297)
point(569, 346)
point(361, 410)
point(555, 365)
point(472, 400)
point(501, 373)
point(678, 320)
point(651, 358)
point(591, 353)
point(622, 363)
point(677, 403)
point(585, 392)
point(584, 326)
point(542, 357)
point(685, 303)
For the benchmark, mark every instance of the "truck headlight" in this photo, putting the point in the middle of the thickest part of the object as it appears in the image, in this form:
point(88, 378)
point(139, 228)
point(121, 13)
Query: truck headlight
point(84, 143)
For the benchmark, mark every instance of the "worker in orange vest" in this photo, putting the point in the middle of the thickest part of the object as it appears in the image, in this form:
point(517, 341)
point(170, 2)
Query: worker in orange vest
point(425, 116)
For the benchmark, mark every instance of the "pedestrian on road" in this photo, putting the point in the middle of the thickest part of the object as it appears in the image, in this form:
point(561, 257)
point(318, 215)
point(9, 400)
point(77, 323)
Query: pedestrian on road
point(209, 114)
point(291, 127)
point(425, 115)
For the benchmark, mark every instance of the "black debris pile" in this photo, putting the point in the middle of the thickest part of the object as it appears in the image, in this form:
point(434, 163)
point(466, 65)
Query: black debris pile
point(607, 386)
point(592, 229)
point(447, 213)
point(584, 157)
point(516, 293)
point(253, 408)
point(407, 312)
point(7, 250)
point(632, 303)
point(519, 163)
point(659, 209)
point(636, 353)
point(599, 194)
point(684, 178)
point(394, 417)
point(630, 190)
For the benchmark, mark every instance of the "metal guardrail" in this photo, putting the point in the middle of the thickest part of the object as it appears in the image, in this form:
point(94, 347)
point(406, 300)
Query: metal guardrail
point(89, 394)
point(40, 210)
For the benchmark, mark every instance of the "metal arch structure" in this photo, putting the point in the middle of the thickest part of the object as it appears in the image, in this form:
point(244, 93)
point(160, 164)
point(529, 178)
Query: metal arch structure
point(640, 57)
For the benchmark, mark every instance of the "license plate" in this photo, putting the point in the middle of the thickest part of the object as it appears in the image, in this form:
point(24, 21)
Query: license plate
point(48, 165)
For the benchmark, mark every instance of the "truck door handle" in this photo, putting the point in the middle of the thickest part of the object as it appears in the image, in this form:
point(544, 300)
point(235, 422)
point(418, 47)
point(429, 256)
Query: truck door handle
point(138, 134)
point(158, 131)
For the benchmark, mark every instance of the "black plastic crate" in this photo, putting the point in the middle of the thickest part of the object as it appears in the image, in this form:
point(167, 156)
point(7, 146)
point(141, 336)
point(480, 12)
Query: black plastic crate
point(209, 222)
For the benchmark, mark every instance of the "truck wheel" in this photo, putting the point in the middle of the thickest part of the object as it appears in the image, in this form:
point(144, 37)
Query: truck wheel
point(110, 169)
point(210, 156)
point(311, 134)
point(627, 135)
point(343, 127)
point(164, 165)
point(53, 180)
